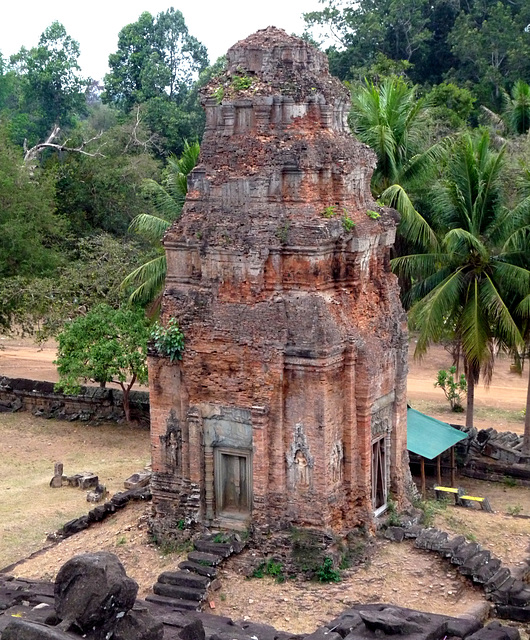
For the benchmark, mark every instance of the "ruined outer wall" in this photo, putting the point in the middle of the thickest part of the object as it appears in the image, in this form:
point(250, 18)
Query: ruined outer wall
point(290, 312)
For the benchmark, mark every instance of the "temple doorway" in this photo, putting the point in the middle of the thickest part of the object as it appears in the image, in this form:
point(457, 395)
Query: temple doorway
point(379, 476)
point(233, 483)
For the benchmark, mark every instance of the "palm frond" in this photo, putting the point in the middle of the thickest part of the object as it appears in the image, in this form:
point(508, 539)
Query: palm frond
point(167, 204)
point(430, 314)
point(151, 227)
point(511, 277)
point(506, 328)
point(474, 329)
point(460, 241)
point(413, 225)
point(148, 279)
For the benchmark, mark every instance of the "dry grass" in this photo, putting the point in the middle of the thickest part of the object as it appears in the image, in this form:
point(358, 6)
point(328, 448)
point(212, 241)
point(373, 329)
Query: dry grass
point(29, 508)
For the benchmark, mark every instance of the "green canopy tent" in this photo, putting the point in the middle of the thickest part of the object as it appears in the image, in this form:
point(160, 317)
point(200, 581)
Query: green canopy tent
point(429, 438)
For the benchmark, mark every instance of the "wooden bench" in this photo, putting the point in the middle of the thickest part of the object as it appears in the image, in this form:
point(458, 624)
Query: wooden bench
point(468, 501)
point(442, 492)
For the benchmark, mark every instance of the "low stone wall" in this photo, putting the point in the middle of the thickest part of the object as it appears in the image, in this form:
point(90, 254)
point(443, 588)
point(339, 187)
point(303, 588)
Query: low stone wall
point(92, 403)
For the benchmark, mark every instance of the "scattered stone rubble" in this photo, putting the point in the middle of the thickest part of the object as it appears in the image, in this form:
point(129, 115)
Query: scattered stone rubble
point(492, 455)
point(99, 513)
point(506, 588)
point(93, 598)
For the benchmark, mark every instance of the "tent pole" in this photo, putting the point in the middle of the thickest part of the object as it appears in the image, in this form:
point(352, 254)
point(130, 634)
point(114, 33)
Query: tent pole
point(453, 479)
point(439, 469)
point(423, 487)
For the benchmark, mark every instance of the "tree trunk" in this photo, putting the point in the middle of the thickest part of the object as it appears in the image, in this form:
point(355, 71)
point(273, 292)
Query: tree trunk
point(126, 405)
point(470, 397)
point(126, 389)
point(526, 437)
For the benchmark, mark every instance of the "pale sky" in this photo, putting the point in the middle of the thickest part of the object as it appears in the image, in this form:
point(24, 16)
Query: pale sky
point(95, 24)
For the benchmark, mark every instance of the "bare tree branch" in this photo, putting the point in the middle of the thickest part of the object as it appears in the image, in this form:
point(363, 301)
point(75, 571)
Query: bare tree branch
point(134, 140)
point(31, 154)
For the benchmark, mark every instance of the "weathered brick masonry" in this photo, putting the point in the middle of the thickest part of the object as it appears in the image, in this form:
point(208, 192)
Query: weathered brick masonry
point(289, 405)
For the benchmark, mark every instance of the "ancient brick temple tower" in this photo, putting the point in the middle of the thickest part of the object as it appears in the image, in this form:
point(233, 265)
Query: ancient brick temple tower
point(289, 404)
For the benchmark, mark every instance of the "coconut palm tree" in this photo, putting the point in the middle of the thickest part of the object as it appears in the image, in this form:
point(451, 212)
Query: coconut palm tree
point(148, 279)
point(516, 110)
point(470, 269)
point(392, 120)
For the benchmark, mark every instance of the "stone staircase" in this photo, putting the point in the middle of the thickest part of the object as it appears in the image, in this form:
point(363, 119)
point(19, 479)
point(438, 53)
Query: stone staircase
point(186, 589)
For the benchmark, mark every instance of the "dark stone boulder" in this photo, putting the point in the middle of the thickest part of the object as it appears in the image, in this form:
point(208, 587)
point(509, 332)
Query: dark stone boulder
point(91, 590)
point(138, 624)
point(193, 631)
point(19, 629)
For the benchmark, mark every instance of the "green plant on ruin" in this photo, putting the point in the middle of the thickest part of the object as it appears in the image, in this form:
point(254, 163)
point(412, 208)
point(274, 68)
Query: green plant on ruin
point(452, 388)
point(430, 509)
point(329, 211)
point(347, 223)
point(219, 94)
point(220, 538)
point(327, 573)
point(282, 232)
point(393, 519)
point(374, 215)
point(168, 340)
point(241, 83)
point(269, 568)
point(509, 482)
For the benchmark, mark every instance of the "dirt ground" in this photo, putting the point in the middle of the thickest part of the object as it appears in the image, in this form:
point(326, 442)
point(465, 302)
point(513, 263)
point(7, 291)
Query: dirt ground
point(398, 573)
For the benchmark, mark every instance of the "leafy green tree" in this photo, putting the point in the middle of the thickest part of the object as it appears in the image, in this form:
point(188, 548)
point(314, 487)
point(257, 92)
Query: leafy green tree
point(106, 345)
point(450, 108)
point(155, 66)
point(41, 305)
point(149, 278)
point(491, 46)
point(31, 234)
point(467, 279)
point(103, 191)
point(48, 88)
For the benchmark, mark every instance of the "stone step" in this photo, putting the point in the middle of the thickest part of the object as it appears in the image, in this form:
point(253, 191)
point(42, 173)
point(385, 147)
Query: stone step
point(174, 603)
point(511, 612)
point(209, 559)
point(183, 593)
point(217, 548)
point(496, 581)
point(184, 579)
point(201, 569)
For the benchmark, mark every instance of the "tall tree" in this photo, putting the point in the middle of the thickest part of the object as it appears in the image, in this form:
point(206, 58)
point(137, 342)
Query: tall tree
point(468, 278)
point(155, 65)
point(49, 88)
point(491, 48)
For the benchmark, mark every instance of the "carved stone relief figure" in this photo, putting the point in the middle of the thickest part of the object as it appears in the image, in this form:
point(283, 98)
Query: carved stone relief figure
point(302, 472)
point(300, 462)
point(335, 462)
point(172, 443)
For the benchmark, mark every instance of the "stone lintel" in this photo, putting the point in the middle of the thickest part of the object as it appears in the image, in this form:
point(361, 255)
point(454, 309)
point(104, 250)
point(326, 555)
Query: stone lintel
point(383, 401)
